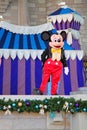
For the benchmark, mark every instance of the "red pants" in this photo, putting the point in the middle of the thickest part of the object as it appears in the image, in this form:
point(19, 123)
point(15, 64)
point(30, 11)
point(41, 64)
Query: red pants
point(53, 68)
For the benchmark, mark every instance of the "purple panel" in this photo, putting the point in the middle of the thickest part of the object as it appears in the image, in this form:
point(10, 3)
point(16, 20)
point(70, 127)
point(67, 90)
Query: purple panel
point(71, 24)
point(75, 44)
point(21, 77)
point(75, 25)
point(56, 25)
point(59, 27)
point(6, 76)
point(73, 70)
point(63, 24)
point(32, 74)
point(68, 24)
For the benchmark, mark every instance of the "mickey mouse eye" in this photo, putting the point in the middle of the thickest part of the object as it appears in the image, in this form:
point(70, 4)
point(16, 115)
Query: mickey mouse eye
point(55, 40)
point(59, 40)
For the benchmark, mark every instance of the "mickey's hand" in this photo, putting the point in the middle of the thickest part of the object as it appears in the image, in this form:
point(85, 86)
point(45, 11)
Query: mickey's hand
point(66, 70)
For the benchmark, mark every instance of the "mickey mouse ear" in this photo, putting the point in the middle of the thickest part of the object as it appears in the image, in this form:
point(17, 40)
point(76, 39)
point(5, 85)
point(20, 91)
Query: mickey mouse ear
point(45, 36)
point(63, 33)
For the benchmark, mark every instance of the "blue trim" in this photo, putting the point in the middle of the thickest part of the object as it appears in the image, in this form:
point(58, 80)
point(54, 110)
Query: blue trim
point(53, 31)
point(38, 72)
point(63, 11)
point(12, 41)
point(25, 44)
point(32, 41)
point(37, 41)
point(1, 76)
point(14, 76)
point(67, 46)
point(42, 43)
point(80, 73)
point(21, 41)
point(7, 40)
point(28, 41)
point(16, 41)
point(27, 77)
point(3, 39)
point(1, 32)
point(67, 81)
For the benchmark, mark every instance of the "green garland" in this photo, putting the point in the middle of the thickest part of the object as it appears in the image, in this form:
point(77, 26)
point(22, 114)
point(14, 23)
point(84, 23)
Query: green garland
point(53, 104)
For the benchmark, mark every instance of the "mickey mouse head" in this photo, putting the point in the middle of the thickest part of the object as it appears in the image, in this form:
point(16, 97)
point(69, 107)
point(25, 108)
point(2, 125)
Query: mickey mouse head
point(55, 40)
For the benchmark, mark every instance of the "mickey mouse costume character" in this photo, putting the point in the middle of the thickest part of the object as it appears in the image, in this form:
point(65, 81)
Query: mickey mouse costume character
point(53, 60)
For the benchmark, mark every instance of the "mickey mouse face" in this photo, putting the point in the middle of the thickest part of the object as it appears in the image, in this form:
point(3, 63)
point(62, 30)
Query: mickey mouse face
point(56, 41)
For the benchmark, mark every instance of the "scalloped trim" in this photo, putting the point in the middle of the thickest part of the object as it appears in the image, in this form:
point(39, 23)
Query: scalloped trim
point(37, 54)
point(65, 17)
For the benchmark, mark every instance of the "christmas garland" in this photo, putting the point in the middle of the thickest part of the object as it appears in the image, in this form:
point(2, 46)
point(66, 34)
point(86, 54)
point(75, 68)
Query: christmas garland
point(53, 104)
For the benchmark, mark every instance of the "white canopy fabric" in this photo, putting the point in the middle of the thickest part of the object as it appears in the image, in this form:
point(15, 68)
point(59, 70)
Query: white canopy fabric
point(26, 29)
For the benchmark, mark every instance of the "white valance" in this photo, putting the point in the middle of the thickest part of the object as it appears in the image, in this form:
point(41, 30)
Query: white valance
point(26, 29)
point(6, 53)
point(65, 17)
point(73, 54)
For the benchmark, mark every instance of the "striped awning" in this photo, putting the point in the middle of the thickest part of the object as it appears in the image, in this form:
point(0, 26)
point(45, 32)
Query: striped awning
point(22, 41)
point(26, 42)
point(22, 37)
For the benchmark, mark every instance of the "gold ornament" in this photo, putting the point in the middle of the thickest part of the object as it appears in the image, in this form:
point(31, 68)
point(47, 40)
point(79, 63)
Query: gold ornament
point(19, 104)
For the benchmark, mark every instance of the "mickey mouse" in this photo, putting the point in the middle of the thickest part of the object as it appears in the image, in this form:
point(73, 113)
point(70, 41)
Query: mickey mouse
point(53, 60)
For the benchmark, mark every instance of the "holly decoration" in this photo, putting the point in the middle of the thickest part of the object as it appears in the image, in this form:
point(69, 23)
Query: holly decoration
point(51, 105)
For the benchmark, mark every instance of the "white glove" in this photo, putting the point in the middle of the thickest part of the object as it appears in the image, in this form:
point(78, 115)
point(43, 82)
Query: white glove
point(66, 70)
